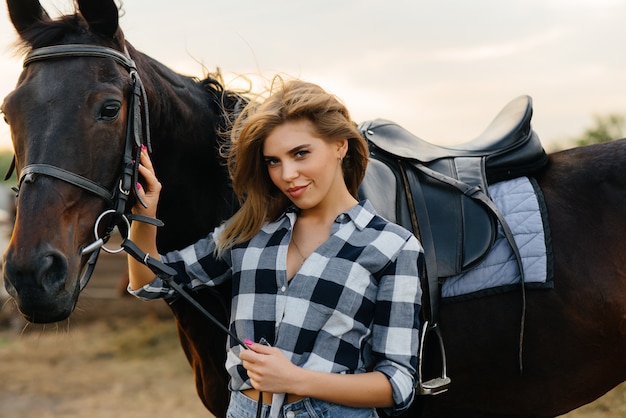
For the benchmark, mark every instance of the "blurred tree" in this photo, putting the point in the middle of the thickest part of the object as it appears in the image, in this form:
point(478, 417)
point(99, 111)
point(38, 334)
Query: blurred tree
point(607, 128)
point(5, 162)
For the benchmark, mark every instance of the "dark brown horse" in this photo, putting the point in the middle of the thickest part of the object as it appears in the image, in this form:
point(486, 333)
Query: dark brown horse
point(72, 112)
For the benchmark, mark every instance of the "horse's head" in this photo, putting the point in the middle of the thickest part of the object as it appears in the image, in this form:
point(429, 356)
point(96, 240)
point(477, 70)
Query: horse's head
point(68, 118)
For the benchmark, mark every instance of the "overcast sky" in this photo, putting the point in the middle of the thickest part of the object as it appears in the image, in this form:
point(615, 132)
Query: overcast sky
point(443, 68)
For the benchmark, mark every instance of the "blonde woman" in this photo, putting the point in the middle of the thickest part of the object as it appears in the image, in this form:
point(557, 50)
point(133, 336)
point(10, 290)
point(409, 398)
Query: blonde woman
point(326, 293)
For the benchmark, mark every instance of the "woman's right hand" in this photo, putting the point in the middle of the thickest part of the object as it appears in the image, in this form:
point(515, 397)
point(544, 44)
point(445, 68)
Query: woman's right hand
point(151, 189)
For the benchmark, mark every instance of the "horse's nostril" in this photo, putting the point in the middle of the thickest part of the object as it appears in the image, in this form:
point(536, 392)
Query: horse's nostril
point(52, 272)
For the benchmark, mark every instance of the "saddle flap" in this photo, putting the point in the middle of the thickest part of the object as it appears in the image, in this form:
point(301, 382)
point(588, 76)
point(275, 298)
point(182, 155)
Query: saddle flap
point(461, 229)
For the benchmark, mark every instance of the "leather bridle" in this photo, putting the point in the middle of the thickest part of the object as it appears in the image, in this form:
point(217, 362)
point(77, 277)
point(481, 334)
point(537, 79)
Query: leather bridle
point(137, 134)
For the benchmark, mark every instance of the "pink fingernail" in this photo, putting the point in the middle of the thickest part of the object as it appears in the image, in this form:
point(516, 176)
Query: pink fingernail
point(138, 186)
point(143, 147)
point(248, 342)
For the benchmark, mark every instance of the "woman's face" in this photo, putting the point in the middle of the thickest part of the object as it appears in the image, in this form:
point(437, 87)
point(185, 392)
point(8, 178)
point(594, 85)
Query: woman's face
point(307, 169)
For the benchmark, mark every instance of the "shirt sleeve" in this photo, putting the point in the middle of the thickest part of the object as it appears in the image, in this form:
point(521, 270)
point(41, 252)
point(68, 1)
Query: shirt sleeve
point(396, 327)
point(195, 265)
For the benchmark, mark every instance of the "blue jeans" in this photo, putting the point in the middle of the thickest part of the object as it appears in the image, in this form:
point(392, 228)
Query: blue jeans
point(243, 407)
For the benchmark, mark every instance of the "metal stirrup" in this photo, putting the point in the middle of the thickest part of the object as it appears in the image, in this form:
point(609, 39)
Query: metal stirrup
point(438, 384)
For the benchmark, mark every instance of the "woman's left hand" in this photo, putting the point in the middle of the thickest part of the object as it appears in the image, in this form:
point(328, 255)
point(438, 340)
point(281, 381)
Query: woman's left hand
point(150, 193)
point(268, 368)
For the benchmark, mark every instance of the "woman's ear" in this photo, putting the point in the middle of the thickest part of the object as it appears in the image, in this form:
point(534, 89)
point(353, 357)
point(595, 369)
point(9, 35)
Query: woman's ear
point(342, 148)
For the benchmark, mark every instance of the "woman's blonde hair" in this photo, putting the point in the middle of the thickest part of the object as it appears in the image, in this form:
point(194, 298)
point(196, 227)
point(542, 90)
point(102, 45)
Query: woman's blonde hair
point(288, 100)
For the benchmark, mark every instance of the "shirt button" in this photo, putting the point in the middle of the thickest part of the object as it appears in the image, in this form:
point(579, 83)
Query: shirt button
point(290, 414)
point(282, 289)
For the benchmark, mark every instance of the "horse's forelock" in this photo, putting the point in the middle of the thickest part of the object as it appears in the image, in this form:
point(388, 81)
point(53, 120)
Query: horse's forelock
point(50, 32)
point(53, 32)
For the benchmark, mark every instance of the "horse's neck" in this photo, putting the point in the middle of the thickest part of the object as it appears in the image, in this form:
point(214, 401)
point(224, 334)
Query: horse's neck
point(196, 192)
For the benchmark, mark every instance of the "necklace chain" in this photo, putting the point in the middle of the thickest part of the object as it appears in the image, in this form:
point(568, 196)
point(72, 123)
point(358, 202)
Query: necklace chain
point(298, 250)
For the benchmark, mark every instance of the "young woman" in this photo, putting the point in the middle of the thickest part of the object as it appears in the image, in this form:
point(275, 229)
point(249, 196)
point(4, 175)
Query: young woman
point(326, 293)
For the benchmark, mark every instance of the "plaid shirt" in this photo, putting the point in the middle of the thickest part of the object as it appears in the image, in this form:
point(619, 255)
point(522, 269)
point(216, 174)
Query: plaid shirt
point(354, 302)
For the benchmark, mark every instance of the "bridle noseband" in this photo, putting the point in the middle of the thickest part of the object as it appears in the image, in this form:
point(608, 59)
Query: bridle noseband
point(137, 134)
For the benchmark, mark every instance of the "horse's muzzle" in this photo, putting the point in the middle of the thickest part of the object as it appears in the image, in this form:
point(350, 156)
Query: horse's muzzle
point(39, 286)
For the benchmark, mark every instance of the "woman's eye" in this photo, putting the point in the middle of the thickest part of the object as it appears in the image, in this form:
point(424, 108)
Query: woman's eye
point(110, 111)
point(301, 153)
point(271, 162)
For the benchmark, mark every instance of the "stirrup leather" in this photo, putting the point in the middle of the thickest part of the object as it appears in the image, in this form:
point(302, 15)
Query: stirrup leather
point(438, 384)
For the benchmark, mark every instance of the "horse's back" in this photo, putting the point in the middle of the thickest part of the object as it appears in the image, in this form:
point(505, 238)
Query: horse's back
point(574, 335)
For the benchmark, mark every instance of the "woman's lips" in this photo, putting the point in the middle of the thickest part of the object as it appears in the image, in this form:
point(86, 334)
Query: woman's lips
point(297, 191)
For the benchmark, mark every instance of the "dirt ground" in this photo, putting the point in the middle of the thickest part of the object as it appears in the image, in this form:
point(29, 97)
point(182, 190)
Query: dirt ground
point(115, 357)
point(120, 357)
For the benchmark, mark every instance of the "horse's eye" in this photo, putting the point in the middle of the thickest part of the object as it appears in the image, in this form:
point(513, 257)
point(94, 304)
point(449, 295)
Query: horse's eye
point(110, 111)
point(4, 116)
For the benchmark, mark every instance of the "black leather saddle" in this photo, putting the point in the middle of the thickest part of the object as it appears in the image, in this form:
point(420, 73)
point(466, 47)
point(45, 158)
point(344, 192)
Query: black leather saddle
point(426, 187)
point(441, 194)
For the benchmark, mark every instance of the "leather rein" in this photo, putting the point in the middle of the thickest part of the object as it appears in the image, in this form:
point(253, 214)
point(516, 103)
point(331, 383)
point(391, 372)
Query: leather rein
point(137, 134)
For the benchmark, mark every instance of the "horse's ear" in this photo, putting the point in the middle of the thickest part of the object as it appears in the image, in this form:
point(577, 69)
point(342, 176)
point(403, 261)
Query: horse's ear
point(102, 16)
point(25, 13)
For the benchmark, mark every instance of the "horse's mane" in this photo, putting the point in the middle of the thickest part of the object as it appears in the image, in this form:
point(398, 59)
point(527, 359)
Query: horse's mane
point(229, 102)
